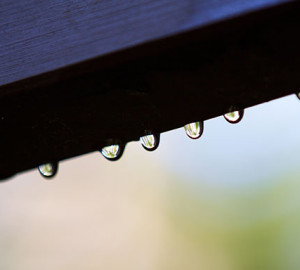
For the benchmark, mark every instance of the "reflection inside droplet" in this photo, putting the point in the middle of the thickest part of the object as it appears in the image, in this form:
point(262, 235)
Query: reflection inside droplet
point(234, 117)
point(194, 130)
point(111, 152)
point(150, 142)
point(48, 170)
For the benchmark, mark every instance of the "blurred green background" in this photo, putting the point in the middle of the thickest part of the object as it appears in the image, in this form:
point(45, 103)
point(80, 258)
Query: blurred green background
point(229, 200)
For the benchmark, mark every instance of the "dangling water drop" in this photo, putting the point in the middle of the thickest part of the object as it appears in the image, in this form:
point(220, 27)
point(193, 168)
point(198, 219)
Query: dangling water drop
point(234, 117)
point(112, 152)
point(194, 130)
point(298, 95)
point(150, 142)
point(48, 170)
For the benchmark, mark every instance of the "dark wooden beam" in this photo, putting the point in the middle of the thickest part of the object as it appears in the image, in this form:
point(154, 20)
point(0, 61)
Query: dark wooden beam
point(75, 76)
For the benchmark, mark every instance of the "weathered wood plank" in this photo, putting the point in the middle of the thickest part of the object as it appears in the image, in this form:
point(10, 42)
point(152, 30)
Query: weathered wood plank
point(169, 80)
point(41, 36)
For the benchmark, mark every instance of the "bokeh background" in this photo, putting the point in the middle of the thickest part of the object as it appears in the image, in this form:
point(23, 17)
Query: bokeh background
point(229, 200)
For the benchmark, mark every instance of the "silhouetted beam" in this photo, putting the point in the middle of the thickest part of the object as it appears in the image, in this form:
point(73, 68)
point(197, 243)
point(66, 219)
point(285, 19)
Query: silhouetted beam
point(76, 76)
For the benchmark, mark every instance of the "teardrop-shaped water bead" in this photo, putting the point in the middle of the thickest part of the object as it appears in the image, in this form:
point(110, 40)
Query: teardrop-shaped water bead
point(298, 95)
point(194, 130)
point(150, 142)
point(48, 170)
point(112, 152)
point(234, 117)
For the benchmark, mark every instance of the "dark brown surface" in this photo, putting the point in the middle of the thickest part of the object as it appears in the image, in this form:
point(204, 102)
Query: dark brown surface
point(160, 85)
point(41, 36)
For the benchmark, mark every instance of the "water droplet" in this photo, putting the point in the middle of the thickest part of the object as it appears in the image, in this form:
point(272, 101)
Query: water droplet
point(150, 142)
point(234, 117)
point(112, 152)
point(194, 130)
point(298, 95)
point(48, 170)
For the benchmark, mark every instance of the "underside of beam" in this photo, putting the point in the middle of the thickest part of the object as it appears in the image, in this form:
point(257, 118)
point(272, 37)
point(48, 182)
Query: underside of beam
point(161, 84)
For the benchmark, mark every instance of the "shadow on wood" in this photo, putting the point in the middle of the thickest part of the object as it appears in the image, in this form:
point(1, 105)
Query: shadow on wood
point(162, 84)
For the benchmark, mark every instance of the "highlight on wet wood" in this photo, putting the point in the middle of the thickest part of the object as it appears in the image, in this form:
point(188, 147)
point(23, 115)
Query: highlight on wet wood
point(76, 76)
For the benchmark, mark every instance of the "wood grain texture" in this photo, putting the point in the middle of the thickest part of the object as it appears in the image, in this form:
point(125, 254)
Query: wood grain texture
point(153, 65)
point(41, 36)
